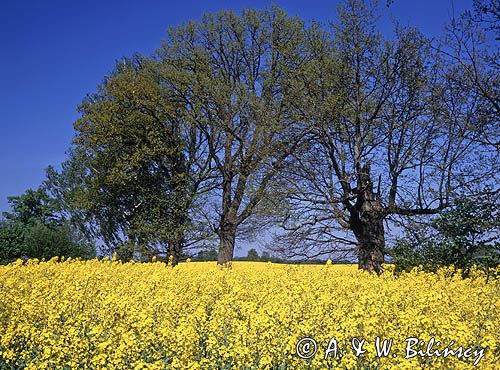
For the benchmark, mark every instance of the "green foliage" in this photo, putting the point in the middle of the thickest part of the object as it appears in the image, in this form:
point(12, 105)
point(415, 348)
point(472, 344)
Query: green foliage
point(463, 236)
point(32, 206)
point(234, 71)
point(206, 255)
point(133, 170)
point(42, 241)
point(36, 229)
point(11, 242)
point(38, 240)
point(253, 255)
point(470, 234)
point(265, 256)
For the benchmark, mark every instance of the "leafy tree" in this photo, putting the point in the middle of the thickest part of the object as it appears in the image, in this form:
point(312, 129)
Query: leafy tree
point(11, 242)
point(234, 71)
point(32, 206)
point(36, 229)
point(136, 166)
point(265, 256)
point(41, 241)
point(470, 234)
point(463, 235)
point(252, 255)
point(207, 255)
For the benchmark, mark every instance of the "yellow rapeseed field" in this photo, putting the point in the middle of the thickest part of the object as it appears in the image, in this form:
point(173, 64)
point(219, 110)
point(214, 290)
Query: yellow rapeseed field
point(111, 315)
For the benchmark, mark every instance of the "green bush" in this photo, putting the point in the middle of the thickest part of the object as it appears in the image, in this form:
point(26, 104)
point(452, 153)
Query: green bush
point(462, 236)
point(11, 242)
point(35, 228)
point(41, 241)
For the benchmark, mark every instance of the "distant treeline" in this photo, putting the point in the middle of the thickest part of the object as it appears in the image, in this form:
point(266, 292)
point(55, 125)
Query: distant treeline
point(211, 255)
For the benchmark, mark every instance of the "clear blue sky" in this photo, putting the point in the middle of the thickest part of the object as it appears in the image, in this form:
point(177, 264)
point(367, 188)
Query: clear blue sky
point(55, 52)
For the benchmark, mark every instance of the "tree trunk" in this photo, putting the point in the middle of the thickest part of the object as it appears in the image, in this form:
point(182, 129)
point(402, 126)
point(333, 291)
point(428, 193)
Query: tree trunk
point(371, 243)
point(367, 223)
point(228, 224)
point(178, 225)
point(227, 241)
point(125, 251)
point(175, 245)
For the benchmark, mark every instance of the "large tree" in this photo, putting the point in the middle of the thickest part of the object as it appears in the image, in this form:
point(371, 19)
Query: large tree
point(136, 166)
point(389, 137)
point(233, 71)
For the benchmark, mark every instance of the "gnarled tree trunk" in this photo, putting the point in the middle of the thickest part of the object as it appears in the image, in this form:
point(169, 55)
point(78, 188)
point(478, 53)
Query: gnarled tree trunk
point(368, 229)
point(367, 224)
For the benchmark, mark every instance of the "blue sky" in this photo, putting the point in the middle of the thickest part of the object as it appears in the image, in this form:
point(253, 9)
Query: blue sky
point(55, 52)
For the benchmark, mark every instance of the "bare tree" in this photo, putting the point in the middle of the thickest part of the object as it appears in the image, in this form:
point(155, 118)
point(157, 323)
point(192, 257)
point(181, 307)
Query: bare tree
point(466, 48)
point(389, 136)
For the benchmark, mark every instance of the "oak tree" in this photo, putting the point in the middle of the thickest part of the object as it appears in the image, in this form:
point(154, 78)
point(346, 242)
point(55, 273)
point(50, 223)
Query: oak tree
point(233, 72)
point(391, 135)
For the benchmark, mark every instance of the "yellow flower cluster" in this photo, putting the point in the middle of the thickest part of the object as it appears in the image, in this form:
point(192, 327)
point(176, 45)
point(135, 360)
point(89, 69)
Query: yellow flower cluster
point(111, 315)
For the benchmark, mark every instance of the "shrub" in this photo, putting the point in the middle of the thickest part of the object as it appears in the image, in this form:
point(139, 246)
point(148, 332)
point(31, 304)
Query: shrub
point(11, 242)
point(462, 236)
point(41, 241)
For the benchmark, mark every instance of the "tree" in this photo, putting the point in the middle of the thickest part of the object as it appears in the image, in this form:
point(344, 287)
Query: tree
point(475, 71)
point(470, 233)
point(11, 242)
point(487, 13)
point(136, 165)
point(41, 241)
point(388, 138)
point(265, 256)
point(233, 71)
point(35, 228)
point(33, 206)
point(464, 235)
point(252, 255)
point(207, 254)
